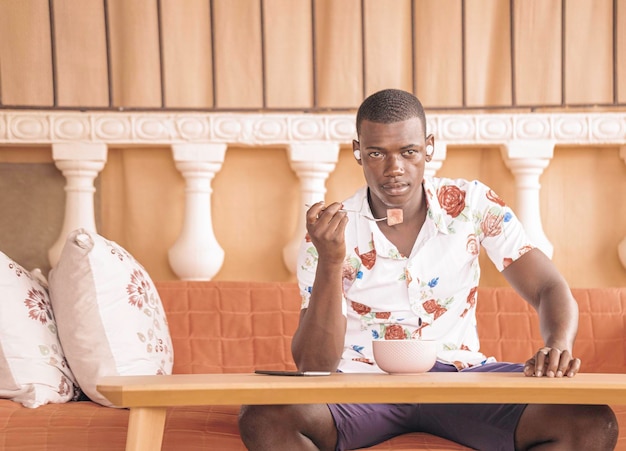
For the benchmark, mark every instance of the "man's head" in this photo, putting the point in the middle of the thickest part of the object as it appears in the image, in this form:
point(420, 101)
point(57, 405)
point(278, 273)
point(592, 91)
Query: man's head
point(389, 106)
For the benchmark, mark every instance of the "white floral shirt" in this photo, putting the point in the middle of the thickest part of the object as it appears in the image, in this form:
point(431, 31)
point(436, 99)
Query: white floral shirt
point(431, 293)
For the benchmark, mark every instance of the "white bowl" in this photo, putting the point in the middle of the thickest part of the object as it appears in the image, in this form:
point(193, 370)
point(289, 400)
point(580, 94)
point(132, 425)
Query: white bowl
point(405, 356)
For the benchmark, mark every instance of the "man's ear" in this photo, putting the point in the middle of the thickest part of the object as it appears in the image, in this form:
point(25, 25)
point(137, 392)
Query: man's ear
point(356, 151)
point(430, 147)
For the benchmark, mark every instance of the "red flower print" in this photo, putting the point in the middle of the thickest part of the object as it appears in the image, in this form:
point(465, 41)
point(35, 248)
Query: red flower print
point(452, 199)
point(472, 245)
point(432, 307)
point(471, 300)
point(506, 262)
point(464, 347)
point(349, 273)
point(408, 277)
point(492, 224)
point(368, 259)
point(493, 197)
point(360, 308)
point(394, 332)
point(382, 315)
point(307, 238)
point(138, 289)
point(38, 306)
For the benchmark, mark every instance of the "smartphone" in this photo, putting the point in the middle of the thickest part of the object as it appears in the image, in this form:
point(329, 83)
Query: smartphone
point(293, 373)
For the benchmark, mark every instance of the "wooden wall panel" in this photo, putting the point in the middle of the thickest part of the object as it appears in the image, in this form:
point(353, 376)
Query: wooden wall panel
point(388, 46)
point(238, 54)
point(25, 53)
point(588, 51)
point(338, 53)
point(582, 209)
point(258, 218)
point(187, 54)
point(288, 38)
point(438, 53)
point(81, 53)
point(488, 55)
point(537, 55)
point(135, 61)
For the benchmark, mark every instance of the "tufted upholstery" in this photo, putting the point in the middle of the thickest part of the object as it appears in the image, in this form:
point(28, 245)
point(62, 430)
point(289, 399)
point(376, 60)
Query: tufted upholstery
point(239, 326)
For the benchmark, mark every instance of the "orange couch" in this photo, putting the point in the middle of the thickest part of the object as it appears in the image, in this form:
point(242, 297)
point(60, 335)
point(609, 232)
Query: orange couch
point(239, 326)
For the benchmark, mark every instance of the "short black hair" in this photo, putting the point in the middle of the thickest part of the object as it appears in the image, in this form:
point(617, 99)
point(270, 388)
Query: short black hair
point(389, 106)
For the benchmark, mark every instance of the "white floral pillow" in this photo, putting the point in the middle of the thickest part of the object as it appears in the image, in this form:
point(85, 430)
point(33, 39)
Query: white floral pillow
point(33, 369)
point(111, 320)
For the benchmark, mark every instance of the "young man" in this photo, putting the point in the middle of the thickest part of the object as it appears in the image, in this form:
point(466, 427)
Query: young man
point(362, 279)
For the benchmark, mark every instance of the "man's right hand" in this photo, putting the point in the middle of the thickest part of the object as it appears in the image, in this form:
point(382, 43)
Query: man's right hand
point(326, 227)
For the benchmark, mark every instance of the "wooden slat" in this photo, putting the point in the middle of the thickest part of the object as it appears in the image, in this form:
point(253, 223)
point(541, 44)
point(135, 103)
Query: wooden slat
point(81, 53)
point(588, 52)
point(25, 53)
point(538, 52)
point(288, 53)
point(339, 58)
point(438, 80)
point(388, 46)
point(621, 52)
point(238, 56)
point(135, 66)
point(187, 61)
point(488, 56)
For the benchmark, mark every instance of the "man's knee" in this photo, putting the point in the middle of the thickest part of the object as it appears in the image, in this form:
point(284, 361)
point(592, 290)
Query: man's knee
point(588, 427)
point(254, 421)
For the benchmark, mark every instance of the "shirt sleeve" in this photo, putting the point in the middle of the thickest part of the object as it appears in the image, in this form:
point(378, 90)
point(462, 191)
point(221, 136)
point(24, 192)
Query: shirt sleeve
point(501, 232)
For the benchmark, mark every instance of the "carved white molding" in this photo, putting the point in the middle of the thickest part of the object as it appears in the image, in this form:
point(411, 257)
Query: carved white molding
point(527, 161)
point(312, 163)
point(29, 127)
point(80, 163)
point(196, 254)
point(621, 249)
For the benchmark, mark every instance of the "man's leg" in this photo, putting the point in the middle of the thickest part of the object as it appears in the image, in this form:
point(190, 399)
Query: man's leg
point(566, 427)
point(288, 427)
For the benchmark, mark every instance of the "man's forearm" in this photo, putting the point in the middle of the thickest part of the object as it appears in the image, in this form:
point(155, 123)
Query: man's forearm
point(319, 340)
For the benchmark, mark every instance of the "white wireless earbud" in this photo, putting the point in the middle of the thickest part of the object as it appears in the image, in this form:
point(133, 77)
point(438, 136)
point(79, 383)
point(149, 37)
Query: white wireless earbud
point(429, 149)
point(357, 154)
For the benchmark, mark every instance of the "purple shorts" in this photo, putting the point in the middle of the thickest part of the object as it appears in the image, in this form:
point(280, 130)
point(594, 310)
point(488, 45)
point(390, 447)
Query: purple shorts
point(478, 426)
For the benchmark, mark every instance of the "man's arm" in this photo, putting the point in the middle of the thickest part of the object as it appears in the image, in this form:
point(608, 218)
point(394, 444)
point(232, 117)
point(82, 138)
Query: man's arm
point(318, 342)
point(537, 280)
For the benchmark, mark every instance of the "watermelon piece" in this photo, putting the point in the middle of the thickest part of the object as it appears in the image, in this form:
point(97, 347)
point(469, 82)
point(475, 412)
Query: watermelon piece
point(394, 216)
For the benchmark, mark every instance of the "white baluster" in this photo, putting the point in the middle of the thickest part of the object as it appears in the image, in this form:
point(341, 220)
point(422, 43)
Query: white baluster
point(80, 163)
point(439, 155)
point(312, 163)
point(621, 248)
point(197, 255)
point(527, 161)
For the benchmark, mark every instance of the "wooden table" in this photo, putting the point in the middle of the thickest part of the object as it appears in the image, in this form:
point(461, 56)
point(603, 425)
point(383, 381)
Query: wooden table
point(149, 396)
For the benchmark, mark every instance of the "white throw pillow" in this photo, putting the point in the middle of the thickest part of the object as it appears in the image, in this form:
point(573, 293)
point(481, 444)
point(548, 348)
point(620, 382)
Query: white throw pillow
point(33, 369)
point(110, 316)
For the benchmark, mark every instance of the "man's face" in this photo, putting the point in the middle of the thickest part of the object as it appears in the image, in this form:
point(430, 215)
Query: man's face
point(393, 160)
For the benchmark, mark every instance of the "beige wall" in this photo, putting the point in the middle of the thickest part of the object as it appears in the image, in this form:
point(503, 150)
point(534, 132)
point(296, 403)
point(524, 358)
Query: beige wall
point(209, 63)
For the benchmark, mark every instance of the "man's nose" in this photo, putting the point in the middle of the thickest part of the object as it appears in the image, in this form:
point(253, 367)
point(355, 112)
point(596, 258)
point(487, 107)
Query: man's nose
point(394, 166)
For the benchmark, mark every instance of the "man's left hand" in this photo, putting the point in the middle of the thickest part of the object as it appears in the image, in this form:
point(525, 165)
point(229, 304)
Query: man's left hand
point(552, 362)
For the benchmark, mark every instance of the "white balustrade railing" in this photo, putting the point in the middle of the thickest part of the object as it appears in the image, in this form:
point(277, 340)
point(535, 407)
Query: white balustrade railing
point(199, 141)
